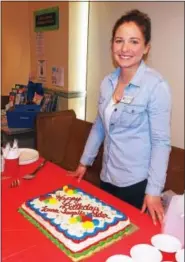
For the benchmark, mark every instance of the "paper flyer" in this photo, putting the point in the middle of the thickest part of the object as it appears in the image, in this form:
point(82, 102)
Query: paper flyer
point(57, 76)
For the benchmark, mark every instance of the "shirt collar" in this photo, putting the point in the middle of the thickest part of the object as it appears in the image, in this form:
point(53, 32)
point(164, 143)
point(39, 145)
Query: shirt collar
point(136, 80)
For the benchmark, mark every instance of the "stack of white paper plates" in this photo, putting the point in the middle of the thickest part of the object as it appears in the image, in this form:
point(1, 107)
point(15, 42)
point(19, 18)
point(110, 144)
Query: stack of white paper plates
point(166, 243)
point(145, 253)
point(28, 156)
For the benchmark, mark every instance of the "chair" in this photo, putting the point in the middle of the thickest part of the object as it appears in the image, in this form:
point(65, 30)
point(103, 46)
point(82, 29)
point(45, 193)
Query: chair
point(78, 135)
point(52, 134)
point(175, 172)
point(61, 138)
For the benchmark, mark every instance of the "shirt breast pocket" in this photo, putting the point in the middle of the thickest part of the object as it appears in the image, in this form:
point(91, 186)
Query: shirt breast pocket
point(132, 115)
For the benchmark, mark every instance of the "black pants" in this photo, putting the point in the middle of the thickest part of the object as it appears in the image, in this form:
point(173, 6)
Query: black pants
point(133, 195)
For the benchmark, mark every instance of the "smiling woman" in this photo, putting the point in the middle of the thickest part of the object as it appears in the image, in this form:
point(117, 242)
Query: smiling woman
point(133, 121)
point(128, 45)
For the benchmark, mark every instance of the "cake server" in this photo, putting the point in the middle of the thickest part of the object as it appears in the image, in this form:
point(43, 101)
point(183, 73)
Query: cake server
point(33, 174)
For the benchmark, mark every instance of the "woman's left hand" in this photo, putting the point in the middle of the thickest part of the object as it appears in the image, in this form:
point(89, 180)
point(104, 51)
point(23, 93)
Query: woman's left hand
point(155, 208)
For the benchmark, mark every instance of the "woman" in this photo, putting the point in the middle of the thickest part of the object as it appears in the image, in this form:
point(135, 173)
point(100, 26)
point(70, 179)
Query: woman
point(133, 120)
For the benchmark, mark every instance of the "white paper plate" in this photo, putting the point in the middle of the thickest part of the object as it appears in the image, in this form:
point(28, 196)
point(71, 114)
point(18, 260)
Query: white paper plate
point(119, 258)
point(145, 253)
point(166, 243)
point(180, 255)
point(28, 156)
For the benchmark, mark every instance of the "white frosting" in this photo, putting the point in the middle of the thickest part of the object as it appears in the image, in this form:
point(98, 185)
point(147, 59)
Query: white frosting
point(77, 230)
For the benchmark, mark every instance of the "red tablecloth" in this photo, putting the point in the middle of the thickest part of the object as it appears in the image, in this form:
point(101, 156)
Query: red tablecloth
point(22, 242)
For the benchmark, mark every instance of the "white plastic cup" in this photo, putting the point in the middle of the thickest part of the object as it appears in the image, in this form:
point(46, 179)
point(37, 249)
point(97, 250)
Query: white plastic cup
point(173, 223)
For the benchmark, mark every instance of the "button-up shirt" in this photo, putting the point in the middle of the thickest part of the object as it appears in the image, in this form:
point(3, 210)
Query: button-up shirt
point(136, 134)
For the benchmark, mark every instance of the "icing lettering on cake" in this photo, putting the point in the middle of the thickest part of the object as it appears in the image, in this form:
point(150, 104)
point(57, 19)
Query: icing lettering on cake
point(77, 220)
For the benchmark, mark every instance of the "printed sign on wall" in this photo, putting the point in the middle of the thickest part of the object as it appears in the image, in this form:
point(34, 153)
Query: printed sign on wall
point(57, 76)
point(46, 19)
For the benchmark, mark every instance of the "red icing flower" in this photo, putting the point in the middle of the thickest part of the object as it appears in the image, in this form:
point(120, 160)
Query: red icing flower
point(86, 218)
point(42, 198)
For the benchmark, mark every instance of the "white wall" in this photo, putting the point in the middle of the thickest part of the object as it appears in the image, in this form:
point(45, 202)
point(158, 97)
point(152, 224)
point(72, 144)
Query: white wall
point(166, 55)
point(77, 53)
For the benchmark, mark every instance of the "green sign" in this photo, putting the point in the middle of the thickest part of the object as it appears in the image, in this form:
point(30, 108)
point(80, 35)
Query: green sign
point(46, 19)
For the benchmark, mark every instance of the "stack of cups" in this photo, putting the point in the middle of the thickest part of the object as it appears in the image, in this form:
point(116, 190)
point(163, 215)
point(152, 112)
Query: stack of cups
point(174, 218)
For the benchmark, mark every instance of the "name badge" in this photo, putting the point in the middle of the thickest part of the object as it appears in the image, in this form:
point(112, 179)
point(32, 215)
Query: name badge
point(127, 99)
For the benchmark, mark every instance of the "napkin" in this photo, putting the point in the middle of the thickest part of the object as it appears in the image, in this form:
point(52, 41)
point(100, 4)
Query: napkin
point(11, 152)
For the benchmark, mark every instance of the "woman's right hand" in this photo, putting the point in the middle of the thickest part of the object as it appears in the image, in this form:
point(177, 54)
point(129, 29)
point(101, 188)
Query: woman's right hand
point(79, 172)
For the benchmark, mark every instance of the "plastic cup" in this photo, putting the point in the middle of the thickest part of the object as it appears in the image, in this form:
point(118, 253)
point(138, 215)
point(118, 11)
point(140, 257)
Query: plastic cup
point(11, 167)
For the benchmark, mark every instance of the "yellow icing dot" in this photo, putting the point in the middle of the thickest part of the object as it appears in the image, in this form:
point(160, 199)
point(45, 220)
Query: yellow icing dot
point(73, 220)
point(65, 188)
point(70, 192)
point(88, 225)
point(52, 200)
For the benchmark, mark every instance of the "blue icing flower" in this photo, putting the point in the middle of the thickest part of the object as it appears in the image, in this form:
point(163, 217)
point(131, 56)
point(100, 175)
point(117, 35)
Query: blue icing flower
point(89, 215)
point(96, 222)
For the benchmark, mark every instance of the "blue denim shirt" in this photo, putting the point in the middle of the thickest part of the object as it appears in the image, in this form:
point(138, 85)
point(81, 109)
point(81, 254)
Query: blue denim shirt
point(137, 135)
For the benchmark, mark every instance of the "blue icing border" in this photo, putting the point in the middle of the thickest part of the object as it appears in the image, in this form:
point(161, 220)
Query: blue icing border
point(64, 231)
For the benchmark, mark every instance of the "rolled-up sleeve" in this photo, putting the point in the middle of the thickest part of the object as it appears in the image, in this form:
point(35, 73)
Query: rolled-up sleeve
point(159, 113)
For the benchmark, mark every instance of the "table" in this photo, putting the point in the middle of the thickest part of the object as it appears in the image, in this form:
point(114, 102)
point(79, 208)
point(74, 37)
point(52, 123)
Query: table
point(25, 136)
point(22, 242)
